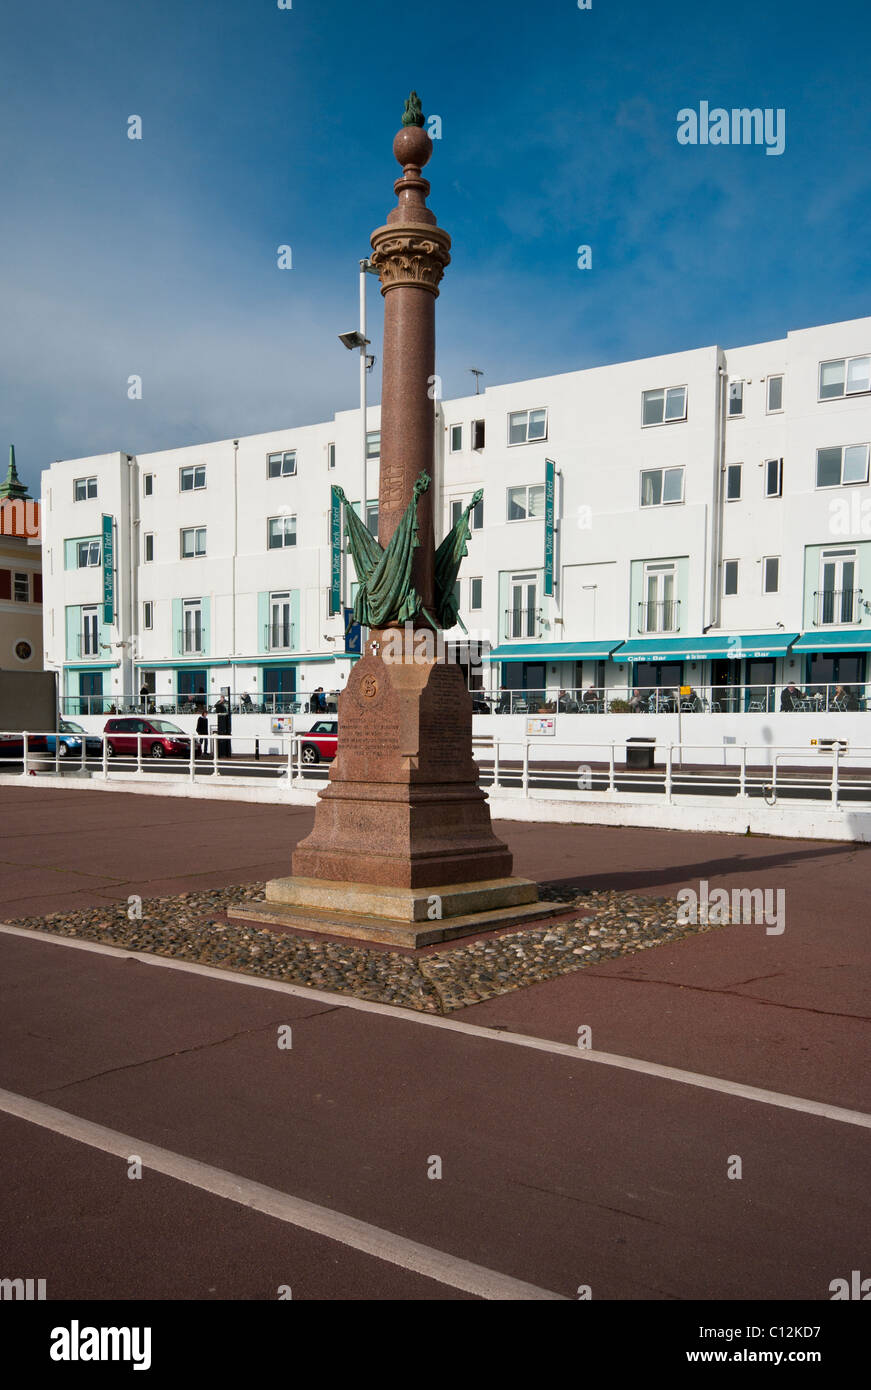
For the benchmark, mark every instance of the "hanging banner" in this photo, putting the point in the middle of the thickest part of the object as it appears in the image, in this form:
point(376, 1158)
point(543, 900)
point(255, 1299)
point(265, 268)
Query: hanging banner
point(108, 570)
point(549, 524)
point(335, 553)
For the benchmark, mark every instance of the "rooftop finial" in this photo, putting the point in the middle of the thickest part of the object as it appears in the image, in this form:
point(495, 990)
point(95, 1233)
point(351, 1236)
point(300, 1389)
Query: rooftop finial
point(13, 486)
point(413, 113)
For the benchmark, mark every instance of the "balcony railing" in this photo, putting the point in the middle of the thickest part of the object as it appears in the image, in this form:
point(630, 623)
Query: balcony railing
point(522, 622)
point(663, 616)
point(833, 607)
point(278, 637)
point(192, 641)
point(87, 644)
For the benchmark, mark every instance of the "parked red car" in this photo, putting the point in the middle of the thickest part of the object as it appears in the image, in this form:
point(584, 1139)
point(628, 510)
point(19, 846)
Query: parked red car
point(319, 743)
point(160, 739)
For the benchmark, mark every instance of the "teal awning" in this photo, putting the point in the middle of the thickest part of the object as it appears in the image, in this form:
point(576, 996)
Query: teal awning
point(555, 651)
point(91, 665)
point(289, 659)
point(721, 644)
point(837, 641)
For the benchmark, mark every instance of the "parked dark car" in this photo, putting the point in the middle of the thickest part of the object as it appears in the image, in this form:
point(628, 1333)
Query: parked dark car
point(68, 741)
point(159, 738)
point(320, 741)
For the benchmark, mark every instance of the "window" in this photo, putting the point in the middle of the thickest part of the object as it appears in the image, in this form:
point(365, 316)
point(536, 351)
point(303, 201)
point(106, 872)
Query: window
point(524, 426)
point(148, 541)
point(147, 484)
point(280, 633)
point(476, 516)
point(845, 376)
point(525, 503)
point(456, 438)
point(372, 517)
point(21, 588)
point(148, 615)
point(837, 599)
point(90, 638)
point(661, 486)
point(281, 465)
point(522, 616)
point(331, 456)
point(191, 635)
point(83, 488)
point(87, 554)
point(733, 482)
point(192, 479)
point(477, 434)
point(476, 593)
point(736, 398)
point(373, 444)
point(282, 532)
point(730, 577)
point(659, 611)
point(664, 405)
point(774, 394)
point(193, 542)
point(839, 466)
point(771, 574)
point(773, 477)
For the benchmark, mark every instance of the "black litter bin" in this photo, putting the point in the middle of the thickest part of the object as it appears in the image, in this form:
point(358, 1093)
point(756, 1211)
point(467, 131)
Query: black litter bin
point(639, 752)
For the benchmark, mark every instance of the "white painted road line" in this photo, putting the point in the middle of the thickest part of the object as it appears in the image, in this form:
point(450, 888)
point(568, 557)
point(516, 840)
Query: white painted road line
point(347, 1230)
point(577, 1054)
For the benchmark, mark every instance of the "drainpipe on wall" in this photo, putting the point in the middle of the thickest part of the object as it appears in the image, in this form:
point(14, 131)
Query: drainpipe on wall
point(133, 585)
point(233, 564)
point(719, 490)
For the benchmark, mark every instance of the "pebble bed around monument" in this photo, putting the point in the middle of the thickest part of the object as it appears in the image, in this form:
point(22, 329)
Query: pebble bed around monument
point(191, 927)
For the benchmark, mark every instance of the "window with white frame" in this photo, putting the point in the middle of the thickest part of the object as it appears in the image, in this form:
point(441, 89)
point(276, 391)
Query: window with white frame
point(736, 398)
point(477, 434)
point(841, 465)
point(280, 634)
point(193, 542)
point(526, 503)
point(522, 616)
point(659, 610)
point(845, 376)
point(664, 406)
point(771, 574)
point(84, 488)
point(476, 516)
point(192, 479)
point(476, 593)
point(331, 456)
point(21, 587)
point(281, 532)
point(730, 577)
point(660, 487)
point(90, 635)
point(281, 465)
point(733, 482)
point(456, 438)
point(773, 477)
point(191, 636)
point(148, 614)
point(774, 394)
point(373, 444)
point(88, 554)
point(147, 484)
point(148, 547)
point(838, 600)
point(372, 517)
point(526, 426)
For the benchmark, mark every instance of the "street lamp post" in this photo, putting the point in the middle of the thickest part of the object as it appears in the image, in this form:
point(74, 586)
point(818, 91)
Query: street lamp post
point(357, 339)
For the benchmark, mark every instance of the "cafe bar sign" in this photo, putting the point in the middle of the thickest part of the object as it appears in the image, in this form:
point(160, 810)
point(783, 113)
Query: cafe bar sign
point(549, 524)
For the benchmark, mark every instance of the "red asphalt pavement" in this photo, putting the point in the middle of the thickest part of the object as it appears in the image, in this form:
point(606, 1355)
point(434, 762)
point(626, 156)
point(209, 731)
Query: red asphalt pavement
point(555, 1170)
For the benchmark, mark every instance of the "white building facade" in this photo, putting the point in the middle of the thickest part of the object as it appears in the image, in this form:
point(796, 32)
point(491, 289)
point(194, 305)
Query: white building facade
point(711, 530)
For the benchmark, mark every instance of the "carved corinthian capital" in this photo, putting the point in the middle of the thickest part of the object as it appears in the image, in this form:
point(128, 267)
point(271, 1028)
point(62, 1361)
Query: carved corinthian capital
point(410, 256)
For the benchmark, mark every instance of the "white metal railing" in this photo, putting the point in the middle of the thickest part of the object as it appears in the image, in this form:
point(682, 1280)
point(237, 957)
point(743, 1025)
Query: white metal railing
point(840, 773)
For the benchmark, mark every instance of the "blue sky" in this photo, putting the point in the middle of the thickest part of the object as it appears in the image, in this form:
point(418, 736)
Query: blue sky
point(264, 127)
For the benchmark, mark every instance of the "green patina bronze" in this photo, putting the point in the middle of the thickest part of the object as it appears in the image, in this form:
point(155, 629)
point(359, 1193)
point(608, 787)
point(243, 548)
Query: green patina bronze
point(13, 487)
point(413, 113)
point(386, 594)
point(450, 553)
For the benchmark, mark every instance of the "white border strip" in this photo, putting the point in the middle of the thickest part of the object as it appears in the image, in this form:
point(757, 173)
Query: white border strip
point(359, 1235)
point(609, 1059)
